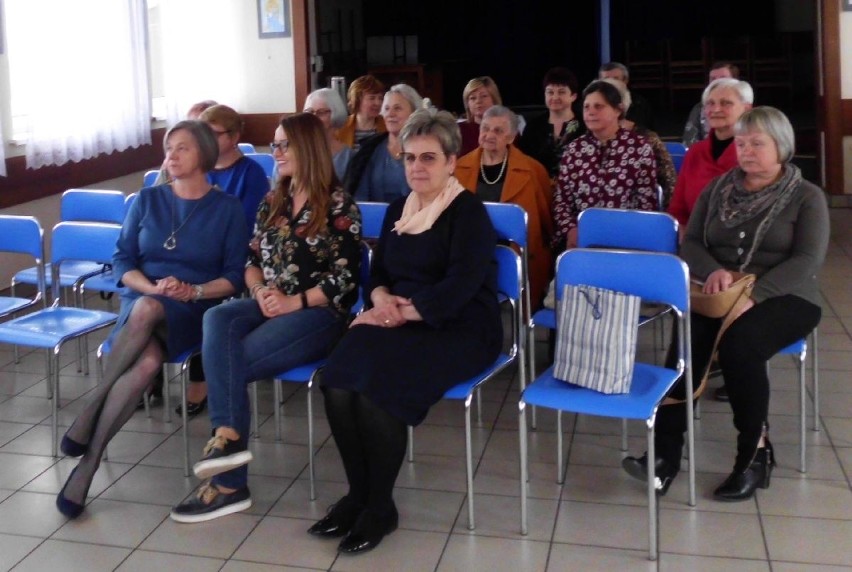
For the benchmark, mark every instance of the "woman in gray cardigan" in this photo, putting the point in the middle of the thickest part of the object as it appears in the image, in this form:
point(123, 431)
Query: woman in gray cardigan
point(760, 217)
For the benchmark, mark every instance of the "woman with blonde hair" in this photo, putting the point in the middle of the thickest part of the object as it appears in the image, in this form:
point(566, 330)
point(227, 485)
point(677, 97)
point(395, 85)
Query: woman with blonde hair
point(302, 275)
point(365, 104)
point(478, 95)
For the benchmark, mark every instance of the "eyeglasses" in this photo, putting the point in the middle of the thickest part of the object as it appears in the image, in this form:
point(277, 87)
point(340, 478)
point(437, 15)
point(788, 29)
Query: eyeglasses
point(282, 145)
point(427, 159)
point(318, 112)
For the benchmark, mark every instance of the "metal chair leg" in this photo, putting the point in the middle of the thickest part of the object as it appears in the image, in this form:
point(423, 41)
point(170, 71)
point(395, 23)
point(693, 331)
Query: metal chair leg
point(560, 466)
point(815, 374)
point(803, 413)
point(653, 540)
point(522, 436)
point(53, 379)
point(184, 375)
point(255, 418)
point(410, 444)
point(276, 399)
point(311, 471)
point(624, 435)
point(468, 465)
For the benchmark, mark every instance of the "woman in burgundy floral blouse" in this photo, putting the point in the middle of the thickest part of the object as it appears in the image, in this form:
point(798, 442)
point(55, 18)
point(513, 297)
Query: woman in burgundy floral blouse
point(607, 167)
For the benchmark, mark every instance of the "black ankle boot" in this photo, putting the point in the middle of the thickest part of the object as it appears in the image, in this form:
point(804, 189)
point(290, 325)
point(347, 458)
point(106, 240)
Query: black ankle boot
point(741, 484)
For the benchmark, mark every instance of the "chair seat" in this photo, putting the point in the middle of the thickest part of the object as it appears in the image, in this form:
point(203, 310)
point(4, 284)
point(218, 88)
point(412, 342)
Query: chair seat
point(796, 348)
point(70, 272)
point(50, 327)
point(103, 282)
point(650, 385)
point(465, 388)
point(545, 318)
point(9, 304)
point(302, 373)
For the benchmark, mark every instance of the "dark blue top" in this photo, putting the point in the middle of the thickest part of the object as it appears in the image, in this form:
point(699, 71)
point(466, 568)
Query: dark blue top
point(245, 180)
point(384, 178)
point(211, 243)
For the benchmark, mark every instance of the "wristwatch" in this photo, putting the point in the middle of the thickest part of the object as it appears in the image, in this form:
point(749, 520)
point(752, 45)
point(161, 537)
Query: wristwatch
point(199, 292)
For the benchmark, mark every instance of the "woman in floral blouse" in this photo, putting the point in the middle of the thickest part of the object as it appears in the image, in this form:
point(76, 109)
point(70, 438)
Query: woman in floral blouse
point(607, 167)
point(302, 277)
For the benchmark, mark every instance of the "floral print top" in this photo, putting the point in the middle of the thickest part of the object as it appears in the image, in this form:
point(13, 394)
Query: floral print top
point(293, 262)
point(620, 173)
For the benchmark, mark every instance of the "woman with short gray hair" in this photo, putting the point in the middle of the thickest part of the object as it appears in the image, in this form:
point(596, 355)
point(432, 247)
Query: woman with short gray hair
point(433, 321)
point(182, 250)
point(327, 105)
point(763, 218)
point(374, 173)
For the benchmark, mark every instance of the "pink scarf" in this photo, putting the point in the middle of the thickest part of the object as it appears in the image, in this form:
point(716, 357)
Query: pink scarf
point(416, 219)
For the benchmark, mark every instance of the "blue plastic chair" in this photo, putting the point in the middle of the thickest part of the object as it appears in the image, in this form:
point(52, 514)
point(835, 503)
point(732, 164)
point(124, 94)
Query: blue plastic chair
point(149, 178)
point(50, 328)
point(23, 235)
point(372, 218)
point(246, 148)
point(654, 277)
point(83, 206)
point(677, 151)
point(266, 161)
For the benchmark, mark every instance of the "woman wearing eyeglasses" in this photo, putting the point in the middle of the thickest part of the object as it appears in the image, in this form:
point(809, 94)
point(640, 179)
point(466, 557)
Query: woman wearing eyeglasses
point(328, 106)
point(302, 276)
point(375, 173)
point(434, 322)
point(241, 177)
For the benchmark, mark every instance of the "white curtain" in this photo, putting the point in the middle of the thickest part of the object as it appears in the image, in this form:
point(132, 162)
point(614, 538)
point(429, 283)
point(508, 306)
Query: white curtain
point(79, 72)
point(201, 42)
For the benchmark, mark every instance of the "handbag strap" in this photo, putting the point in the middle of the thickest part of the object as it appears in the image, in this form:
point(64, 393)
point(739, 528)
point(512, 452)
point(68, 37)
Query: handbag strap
point(729, 318)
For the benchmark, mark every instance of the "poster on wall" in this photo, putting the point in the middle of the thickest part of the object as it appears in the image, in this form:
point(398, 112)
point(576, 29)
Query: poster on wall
point(273, 18)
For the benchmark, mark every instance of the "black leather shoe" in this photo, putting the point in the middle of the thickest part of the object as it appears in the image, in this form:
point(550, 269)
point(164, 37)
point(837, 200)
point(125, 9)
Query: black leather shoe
point(368, 531)
point(721, 394)
point(192, 408)
point(339, 520)
point(71, 448)
point(664, 471)
point(740, 485)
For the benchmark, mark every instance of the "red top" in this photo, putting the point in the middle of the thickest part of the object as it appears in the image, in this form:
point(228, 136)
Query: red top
point(698, 169)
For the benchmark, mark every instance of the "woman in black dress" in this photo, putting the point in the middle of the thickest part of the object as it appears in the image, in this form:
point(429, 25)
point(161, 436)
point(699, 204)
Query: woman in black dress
point(434, 322)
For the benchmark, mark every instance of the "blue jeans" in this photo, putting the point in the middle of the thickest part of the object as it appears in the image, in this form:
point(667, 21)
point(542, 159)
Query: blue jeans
point(241, 345)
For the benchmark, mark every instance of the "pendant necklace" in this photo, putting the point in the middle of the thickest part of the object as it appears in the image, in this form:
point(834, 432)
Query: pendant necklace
point(502, 168)
point(171, 241)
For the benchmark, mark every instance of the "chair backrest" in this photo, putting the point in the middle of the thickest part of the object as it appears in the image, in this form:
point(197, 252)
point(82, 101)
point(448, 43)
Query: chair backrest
point(128, 202)
point(372, 218)
point(653, 276)
point(265, 160)
point(628, 229)
point(510, 222)
point(246, 147)
point(150, 178)
point(87, 205)
point(677, 151)
point(83, 241)
point(22, 235)
point(509, 275)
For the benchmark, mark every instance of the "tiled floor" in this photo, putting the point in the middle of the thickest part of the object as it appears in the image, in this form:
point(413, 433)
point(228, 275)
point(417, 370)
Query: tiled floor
point(595, 521)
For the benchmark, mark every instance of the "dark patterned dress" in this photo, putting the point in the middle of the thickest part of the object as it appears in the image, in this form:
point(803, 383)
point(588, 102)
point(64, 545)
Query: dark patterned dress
point(620, 173)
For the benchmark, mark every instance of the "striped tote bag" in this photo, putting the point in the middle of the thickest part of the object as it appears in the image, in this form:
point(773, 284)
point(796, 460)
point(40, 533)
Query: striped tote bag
point(596, 338)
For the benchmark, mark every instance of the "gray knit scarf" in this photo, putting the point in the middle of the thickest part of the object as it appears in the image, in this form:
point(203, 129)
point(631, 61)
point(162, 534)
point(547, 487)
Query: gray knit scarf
point(734, 205)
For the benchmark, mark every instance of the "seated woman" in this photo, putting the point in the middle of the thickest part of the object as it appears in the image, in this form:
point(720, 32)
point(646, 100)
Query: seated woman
point(365, 103)
point(725, 100)
point(327, 105)
point(375, 173)
point(479, 94)
point(302, 276)
point(607, 167)
point(666, 174)
point(760, 217)
point(241, 177)
point(499, 172)
point(434, 322)
point(546, 136)
point(181, 251)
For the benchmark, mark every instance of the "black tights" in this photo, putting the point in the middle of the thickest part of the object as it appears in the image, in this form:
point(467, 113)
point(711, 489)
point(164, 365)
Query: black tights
point(372, 446)
point(135, 358)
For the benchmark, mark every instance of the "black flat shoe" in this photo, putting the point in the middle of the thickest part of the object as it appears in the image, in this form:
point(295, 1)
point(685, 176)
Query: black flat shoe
point(741, 485)
point(192, 408)
point(71, 448)
point(339, 521)
point(664, 471)
point(368, 531)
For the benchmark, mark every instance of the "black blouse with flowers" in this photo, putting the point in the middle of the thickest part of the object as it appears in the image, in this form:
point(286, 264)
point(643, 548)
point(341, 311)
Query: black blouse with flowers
point(293, 262)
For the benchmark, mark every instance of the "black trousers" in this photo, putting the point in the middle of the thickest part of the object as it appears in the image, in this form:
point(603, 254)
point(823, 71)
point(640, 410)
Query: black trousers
point(743, 351)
